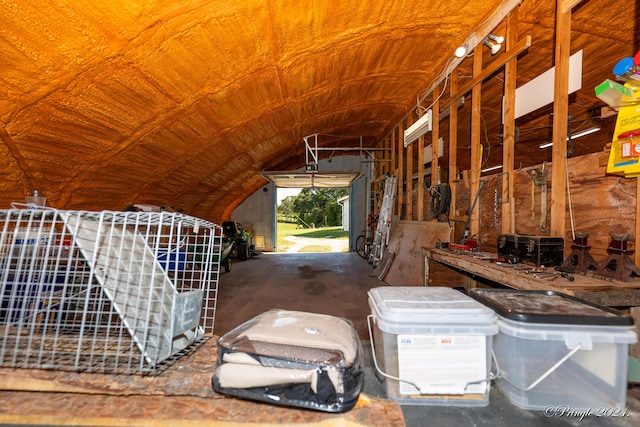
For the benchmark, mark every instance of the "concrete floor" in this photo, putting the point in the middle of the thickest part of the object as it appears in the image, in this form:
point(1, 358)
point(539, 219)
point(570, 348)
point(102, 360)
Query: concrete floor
point(329, 283)
point(337, 284)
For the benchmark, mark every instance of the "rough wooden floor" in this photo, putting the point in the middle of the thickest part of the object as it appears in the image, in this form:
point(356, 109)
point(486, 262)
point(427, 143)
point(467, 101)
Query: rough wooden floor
point(180, 396)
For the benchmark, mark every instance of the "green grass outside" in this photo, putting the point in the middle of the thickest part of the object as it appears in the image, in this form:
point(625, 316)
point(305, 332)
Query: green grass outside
point(288, 229)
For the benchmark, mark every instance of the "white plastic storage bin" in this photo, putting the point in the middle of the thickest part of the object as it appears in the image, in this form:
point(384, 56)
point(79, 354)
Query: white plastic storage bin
point(432, 345)
point(554, 350)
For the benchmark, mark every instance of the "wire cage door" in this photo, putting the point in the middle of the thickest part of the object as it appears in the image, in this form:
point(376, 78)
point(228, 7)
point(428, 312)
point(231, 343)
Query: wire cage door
point(124, 292)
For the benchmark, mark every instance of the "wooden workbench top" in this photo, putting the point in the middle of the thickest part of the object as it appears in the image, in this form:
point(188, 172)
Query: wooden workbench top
point(180, 396)
point(605, 292)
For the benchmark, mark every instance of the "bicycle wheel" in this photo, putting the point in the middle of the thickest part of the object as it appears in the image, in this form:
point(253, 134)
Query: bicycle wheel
point(361, 246)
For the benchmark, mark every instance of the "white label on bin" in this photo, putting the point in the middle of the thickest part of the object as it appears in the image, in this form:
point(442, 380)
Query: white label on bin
point(442, 364)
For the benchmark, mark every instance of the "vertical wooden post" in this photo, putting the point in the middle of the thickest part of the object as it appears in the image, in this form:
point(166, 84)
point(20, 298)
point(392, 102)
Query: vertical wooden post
point(394, 158)
point(435, 136)
point(409, 177)
point(384, 166)
point(560, 119)
point(393, 166)
point(508, 146)
point(476, 147)
point(375, 164)
point(419, 182)
point(454, 178)
point(387, 154)
point(400, 176)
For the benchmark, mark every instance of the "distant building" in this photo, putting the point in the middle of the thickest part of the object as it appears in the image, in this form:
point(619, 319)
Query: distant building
point(344, 202)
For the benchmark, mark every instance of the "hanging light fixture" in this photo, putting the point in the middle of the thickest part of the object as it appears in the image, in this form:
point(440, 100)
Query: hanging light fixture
point(494, 46)
point(497, 39)
point(585, 132)
point(574, 135)
point(420, 127)
point(490, 168)
point(494, 43)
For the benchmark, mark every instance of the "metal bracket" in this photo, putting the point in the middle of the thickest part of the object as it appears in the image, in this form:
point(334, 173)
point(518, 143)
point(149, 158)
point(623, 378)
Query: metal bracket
point(312, 151)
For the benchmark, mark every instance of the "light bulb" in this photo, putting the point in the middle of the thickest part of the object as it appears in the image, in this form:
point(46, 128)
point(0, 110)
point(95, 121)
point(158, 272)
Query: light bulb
point(497, 39)
point(495, 47)
point(461, 51)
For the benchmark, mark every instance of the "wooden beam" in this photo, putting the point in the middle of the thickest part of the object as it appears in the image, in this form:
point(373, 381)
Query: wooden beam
point(508, 141)
point(476, 39)
point(568, 5)
point(520, 47)
point(392, 163)
point(560, 120)
point(419, 186)
point(385, 166)
point(394, 158)
point(454, 178)
point(476, 146)
point(409, 178)
point(435, 136)
point(472, 41)
point(400, 176)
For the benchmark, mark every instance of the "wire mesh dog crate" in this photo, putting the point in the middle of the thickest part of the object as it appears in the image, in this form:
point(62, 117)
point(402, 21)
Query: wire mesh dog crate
point(110, 292)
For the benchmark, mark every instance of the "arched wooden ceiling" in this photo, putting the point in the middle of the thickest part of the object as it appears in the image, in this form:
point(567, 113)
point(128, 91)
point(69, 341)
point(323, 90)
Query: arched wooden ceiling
point(182, 104)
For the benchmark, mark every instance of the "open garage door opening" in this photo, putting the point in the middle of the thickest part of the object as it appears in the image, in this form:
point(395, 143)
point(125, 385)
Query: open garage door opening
point(314, 210)
point(312, 220)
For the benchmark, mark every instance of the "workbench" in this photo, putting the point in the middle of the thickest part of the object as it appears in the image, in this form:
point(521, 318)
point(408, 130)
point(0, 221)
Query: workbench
point(179, 396)
point(609, 293)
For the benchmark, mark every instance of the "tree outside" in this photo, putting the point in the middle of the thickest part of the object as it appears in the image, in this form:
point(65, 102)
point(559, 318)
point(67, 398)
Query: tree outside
point(313, 208)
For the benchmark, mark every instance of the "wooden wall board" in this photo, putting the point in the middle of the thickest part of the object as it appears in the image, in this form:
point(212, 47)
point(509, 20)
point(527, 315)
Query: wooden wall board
point(402, 263)
point(437, 274)
point(601, 205)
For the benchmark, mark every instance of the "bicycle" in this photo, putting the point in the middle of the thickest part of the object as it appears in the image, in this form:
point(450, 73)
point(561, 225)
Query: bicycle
point(363, 246)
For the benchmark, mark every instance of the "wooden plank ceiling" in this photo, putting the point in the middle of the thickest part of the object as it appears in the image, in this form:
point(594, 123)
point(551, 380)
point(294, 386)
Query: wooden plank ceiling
point(182, 104)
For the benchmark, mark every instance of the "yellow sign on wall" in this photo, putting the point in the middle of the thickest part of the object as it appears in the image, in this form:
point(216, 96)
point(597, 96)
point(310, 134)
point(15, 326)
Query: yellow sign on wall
point(624, 158)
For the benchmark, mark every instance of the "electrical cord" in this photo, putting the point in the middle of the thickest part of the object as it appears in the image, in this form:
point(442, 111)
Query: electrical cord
point(440, 200)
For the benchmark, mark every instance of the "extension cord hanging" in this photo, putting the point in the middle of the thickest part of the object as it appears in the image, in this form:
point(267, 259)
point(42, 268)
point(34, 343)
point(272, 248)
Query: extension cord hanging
point(440, 200)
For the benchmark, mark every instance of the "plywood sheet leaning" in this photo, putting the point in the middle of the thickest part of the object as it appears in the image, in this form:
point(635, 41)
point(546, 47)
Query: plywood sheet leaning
point(402, 262)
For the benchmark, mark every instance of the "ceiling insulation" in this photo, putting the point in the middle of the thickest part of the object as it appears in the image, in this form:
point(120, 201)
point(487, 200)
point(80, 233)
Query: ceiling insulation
point(182, 104)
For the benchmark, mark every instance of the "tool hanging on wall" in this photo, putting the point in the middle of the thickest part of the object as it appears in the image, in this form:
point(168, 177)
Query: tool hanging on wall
point(440, 201)
point(539, 179)
point(465, 230)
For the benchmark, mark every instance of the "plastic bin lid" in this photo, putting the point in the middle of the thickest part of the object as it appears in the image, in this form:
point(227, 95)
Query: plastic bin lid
point(548, 307)
point(415, 305)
